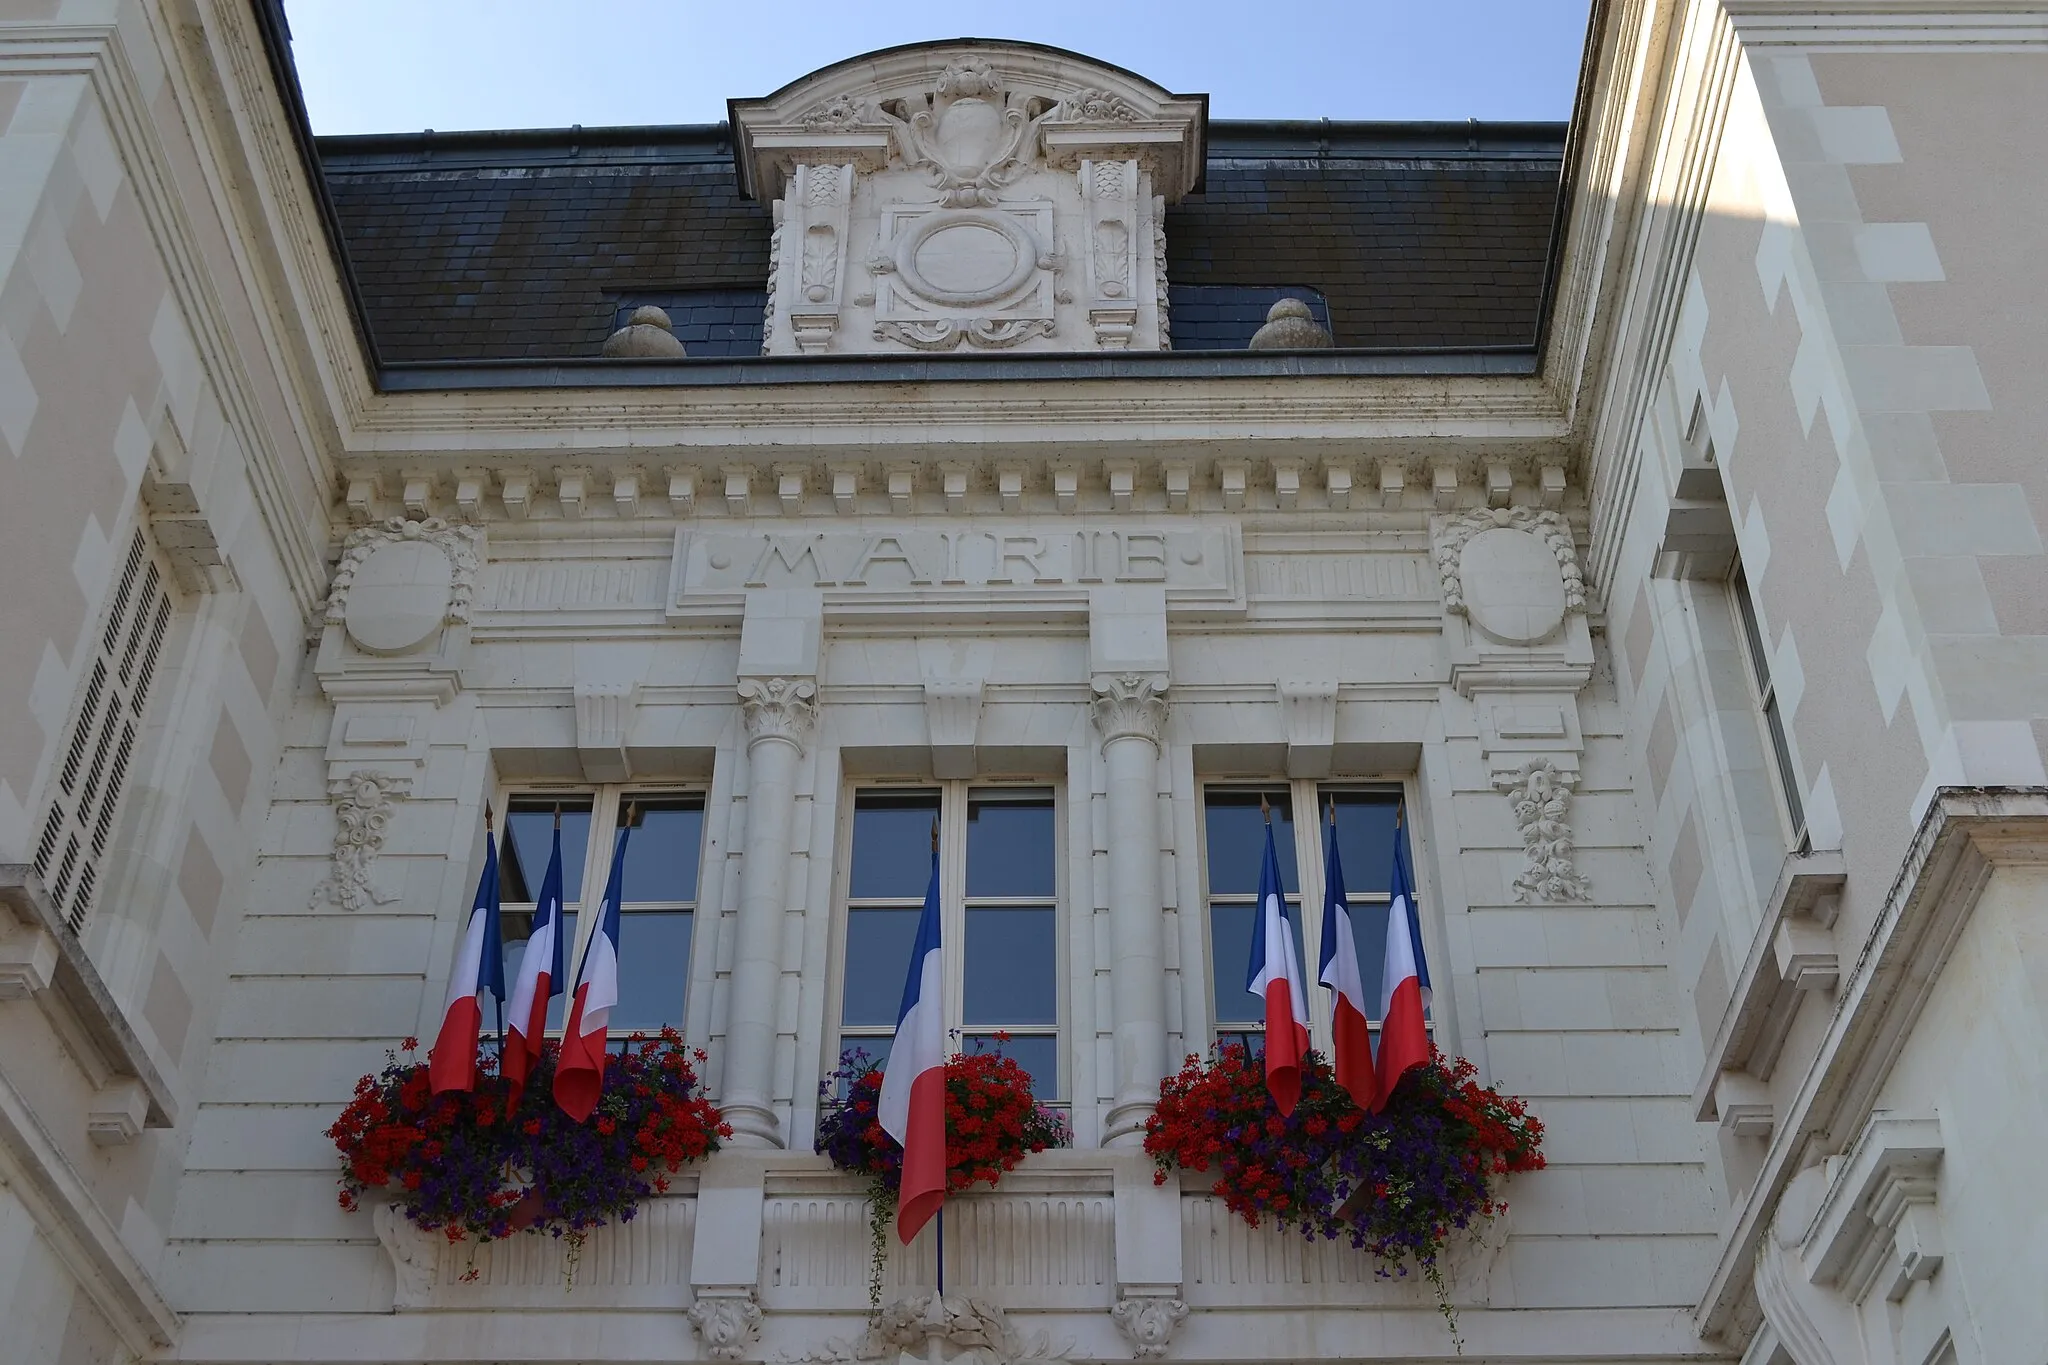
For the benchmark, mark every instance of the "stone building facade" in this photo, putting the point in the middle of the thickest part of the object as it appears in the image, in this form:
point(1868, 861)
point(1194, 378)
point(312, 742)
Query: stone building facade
point(1661, 531)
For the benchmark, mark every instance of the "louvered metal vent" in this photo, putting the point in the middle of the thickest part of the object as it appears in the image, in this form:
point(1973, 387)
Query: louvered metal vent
point(102, 738)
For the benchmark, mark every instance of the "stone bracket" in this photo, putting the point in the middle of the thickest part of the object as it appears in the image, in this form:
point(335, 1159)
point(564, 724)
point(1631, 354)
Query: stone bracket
point(607, 697)
point(1878, 1227)
point(1111, 192)
point(952, 715)
point(1308, 711)
point(1793, 954)
point(812, 253)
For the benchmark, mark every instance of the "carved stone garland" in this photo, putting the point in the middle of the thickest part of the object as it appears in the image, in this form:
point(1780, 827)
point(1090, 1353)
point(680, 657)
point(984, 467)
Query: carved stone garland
point(939, 1331)
point(1549, 527)
point(363, 803)
point(1149, 1321)
point(462, 545)
point(728, 1324)
point(1541, 794)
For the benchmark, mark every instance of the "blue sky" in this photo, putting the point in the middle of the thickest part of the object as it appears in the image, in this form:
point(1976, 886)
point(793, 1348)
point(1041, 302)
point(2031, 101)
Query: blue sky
point(403, 65)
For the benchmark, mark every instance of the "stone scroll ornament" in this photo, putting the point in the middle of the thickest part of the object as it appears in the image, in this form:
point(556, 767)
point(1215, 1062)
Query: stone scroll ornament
point(363, 803)
point(1541, 794)
point(939, 1330)
point(1149, 1322)
point(728, 1325)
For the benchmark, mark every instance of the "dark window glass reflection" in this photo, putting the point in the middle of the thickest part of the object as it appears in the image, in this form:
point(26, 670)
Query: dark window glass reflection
point(654, 968)
point(1010, 846)
point(878, 944)
point(1230, 940)
point(529, 835)
point(1237, 841)
point(892, 845)
point(1012, 975)
point(661, 857)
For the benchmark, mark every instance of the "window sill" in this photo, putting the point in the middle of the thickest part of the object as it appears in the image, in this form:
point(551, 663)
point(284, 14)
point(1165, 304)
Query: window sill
point(41, 960)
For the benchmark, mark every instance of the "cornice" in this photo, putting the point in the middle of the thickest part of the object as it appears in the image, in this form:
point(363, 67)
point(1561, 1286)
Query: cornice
point(1891, 25)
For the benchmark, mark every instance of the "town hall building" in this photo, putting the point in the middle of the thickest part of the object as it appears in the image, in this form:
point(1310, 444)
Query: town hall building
point(1635, 523)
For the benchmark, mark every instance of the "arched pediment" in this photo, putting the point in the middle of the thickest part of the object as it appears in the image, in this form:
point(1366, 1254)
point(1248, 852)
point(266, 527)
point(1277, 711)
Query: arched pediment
point(864, 111)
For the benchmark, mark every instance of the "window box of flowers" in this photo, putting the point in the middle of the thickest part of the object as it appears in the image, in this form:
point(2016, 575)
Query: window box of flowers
point(992, 1123)
point(487, 1163)
point(1400, 1184)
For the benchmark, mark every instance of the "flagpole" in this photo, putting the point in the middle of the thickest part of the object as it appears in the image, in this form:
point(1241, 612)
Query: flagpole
point(942, 1208)
point(497, 1001)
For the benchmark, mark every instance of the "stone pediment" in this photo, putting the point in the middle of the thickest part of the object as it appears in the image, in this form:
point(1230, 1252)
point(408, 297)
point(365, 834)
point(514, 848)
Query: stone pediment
point(968, 195)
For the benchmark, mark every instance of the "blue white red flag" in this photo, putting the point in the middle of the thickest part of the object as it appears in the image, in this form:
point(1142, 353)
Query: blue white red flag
point(579, 1075)
point(479, 967)
point(1275, 977)
point(912, 1106)
point(539, 978)
point(1404, 983)
point(1338, 971)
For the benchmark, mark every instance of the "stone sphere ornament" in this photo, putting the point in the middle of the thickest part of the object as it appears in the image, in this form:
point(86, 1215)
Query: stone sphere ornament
point(1290, 326)
point(648, 333)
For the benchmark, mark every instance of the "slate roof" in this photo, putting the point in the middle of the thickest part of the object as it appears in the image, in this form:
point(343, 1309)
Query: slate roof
point(526, 245)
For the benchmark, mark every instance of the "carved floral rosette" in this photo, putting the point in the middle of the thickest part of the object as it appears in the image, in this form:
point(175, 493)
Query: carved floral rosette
point(729, 1325)
point(1149, 1322)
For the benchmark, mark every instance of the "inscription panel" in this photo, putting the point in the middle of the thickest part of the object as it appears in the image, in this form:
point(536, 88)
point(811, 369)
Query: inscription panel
point(996, 565)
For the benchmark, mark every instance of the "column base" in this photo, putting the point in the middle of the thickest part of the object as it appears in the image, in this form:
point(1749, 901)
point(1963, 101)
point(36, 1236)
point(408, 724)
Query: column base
point(753, 1125)
point(1125, 1126)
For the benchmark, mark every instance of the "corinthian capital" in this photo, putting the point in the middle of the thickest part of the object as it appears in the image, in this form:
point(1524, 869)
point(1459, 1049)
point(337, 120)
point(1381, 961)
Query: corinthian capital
point(1130, 705)
point(779, 708)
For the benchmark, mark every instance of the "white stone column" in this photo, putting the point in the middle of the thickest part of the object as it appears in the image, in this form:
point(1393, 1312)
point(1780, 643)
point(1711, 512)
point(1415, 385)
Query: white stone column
point(1130, 714)
point(780, 713)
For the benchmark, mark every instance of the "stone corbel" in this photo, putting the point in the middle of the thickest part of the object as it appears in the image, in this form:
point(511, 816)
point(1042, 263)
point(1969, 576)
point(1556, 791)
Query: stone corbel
point(1792, 956)
point(952, 714)
point(604, 717)
point(1308, 711)
point(813, 257)
point(1111, 192)
point(727, 1322)
point(1878, 1229)
point(184, 533)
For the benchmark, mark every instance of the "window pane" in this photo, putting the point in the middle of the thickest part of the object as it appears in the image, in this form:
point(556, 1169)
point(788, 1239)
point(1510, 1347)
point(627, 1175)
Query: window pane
point(1230, 940)
point(1254, 1042)
point(892, 846)
point(878, 944)
point(1365, 840)
point(1237, 841)
point(661, 857)
point(1037, 1053)
point(1009, 844)
point(529, 835)
point(654, 968)
point(1012, 977)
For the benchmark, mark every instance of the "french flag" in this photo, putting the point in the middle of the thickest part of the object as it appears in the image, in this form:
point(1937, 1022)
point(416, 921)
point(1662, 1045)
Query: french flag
point(1339, 974)
point(479, 967)
point(1275, 977)
point(579, 1075)
point(1404, 984)
point(912, 1108)
point(539, 979)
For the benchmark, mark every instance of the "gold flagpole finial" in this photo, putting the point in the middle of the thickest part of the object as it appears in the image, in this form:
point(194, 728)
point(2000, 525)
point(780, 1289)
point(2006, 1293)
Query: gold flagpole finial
point(935, 834)
point(1400, 809)
point(558, 815)
point(487, 817)
point(632, 814)
point(1265, 808)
